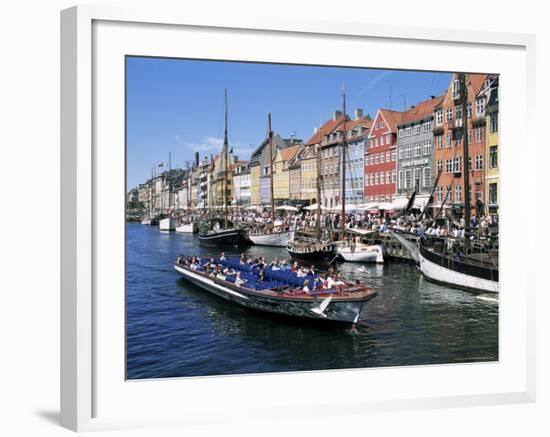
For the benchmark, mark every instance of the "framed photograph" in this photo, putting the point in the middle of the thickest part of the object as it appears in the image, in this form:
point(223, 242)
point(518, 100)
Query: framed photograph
point(257, 208)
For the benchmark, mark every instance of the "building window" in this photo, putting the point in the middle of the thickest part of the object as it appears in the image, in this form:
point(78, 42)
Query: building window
point(439, 117)
point(400, 180)
point(478, 134)
point(427, 147)
point(427, 177)
point(417, 172)
point(394, 155)
point(455, 88)
point(400, 153)
point(439, 192)
point(494, 123)
point(458, 194)
point(388, 177)
point(408, 179)
point(459, 138)
point(416, 130)
point(469, 110)
point(393, 176)
point(449, 114)
point(449, 166)
point(479, 162)
point(457, 165)
point(388, 154)
point(493, 156)
point(439, 166)
point(417, 149)
point(376, 158)
point(400, 133)
point(458, 112)
point(449, 139)
point(470, 136)
point(480, 107)
point(376, 179)
point(439, 141)
point(382, 140)
point(408, 148)
point(388, 139)
point(493, 194)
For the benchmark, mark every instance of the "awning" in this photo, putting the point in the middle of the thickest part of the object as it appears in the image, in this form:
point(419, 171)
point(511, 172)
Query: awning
point(287, 208)
point(314, 207)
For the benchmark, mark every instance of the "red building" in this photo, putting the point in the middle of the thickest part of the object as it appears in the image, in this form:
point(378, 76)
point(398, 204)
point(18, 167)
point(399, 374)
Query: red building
point(381, 157)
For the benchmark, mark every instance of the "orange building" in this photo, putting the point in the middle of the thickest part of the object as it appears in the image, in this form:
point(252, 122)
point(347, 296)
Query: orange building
point(448, 146)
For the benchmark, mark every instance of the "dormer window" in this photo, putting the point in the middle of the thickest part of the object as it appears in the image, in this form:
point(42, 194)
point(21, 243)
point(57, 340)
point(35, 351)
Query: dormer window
point(455, 87)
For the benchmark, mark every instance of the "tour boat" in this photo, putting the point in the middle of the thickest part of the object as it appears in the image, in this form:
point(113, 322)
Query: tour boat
point(312, 248)
point(281, 293)
point(167, 224)
point(149, 222)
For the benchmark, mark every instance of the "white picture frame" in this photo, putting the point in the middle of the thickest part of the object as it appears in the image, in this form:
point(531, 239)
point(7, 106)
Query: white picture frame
point(85, 375)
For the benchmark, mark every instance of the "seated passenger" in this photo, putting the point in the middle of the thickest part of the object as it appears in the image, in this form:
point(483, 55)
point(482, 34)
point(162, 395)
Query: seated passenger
point(284, 265)
point(261, 276)
point(222, 257)
point(312, 270)
point(337, 280)
point(306, 286)
point(301, 273)
point(238, 280)
point(294, 267)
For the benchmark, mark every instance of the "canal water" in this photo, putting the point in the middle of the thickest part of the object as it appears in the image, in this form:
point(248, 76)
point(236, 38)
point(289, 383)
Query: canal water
point(176, 329)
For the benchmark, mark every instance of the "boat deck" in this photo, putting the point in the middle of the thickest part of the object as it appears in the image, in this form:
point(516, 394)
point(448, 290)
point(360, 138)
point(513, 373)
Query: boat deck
point(283, 284)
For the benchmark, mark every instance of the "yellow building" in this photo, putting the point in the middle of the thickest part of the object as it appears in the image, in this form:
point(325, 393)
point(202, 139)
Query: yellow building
point(309, 174)
point(492, 191)
point(281, 174)
point(255, 190)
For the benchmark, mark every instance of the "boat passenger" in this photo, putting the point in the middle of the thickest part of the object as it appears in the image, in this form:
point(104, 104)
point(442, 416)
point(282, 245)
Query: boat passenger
point(294, 267)
point(275, 264)
point(306, 286)
point(337, 280)
point(222, 257)
point(261, 276)
point(238, 280)
point(242, 261)
point(312, 270)
point(284, 265)
point(228, 271)
point(301, 273)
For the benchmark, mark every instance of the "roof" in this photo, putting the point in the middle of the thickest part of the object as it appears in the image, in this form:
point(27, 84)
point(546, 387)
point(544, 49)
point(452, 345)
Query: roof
point(325, 129)
point(422, 109)
point(288, 153)
point(393, 118)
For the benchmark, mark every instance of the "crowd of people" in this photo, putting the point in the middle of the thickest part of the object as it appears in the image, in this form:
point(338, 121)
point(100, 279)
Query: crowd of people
point(310, 278)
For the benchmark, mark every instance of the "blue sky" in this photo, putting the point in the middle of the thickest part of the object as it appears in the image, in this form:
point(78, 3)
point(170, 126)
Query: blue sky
point(176, 105)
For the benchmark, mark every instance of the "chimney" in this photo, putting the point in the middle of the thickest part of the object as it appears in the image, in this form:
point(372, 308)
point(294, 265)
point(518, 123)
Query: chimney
point(315, 130)
point(432, 97)
point(412, 106)
point(358, 113)
point(196, 159)
point(336, 115)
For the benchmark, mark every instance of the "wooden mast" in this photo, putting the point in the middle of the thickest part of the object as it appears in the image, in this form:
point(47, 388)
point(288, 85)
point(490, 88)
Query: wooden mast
point(466, 160)
point(318, 218)
point(270, 138)
point(344, 146)
point(225, 148)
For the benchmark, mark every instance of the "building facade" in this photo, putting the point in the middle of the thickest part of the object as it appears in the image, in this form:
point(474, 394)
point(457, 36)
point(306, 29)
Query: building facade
point(381, 157)
point(281, 174)
point(415, 150)
point(356, 135)
point(492, 191)
point(448, 151)
point(241, 184)
point(295, 177)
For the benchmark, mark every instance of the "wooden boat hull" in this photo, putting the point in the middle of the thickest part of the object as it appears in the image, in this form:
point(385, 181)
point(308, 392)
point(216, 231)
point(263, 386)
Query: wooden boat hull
point(362, 253)
point(326, 253)
point(277, 239)
point(341, 311)
point(444, 270)
point(226, 237)
point(185, 229)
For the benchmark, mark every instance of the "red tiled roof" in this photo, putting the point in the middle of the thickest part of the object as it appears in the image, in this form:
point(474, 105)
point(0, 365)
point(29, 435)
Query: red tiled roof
point(288, 153)
point(326, 128)
point(393, 118)
point(422, 109)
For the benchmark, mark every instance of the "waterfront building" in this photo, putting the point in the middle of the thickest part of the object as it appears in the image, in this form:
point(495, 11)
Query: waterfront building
point(281, 174)
point(356, 132)
point(492, 192)
point(381, 157)
point(448, 147)
point(415, 150)
point(295, 177)
point(327, 139)
point(260, 189)
point(309, 174)
point(241, 184)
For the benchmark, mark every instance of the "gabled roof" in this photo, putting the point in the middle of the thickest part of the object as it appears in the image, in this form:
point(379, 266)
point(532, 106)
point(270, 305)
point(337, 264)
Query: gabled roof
point(325, 129)
point(392, 118)
point(288, 153)
point(421, 110)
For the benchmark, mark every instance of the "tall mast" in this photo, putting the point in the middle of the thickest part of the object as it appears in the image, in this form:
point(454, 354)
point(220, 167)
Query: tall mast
point(344, 146)
point(226, 147)
point(318, 218)
point(169, 180)
point(465, 153)
point(270, 137)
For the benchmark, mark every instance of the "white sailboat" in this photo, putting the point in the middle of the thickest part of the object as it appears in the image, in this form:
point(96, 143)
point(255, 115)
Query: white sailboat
point(185, 228)
point(167, 224)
